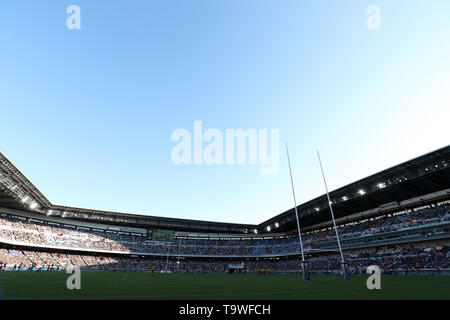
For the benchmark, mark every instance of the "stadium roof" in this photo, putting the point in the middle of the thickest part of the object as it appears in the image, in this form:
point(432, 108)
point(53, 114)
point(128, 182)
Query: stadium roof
point(423, 175)
point(17, 192)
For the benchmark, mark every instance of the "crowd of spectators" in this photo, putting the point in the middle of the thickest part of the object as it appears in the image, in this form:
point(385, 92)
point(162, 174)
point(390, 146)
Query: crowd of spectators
point(21, 230)
point(396, 259)
point(386, 223)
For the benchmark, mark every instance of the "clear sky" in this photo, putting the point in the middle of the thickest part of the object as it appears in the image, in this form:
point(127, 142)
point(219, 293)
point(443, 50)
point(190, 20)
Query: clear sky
point(87, 115)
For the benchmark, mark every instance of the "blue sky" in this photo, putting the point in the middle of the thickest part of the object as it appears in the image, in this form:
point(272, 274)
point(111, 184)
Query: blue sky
point(87, 114)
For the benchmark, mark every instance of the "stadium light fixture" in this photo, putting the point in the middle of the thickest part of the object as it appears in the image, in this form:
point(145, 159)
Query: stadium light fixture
point(317, 209)
point(277, 224)
point(268, 228)
point(255, 231)
point(361, 192)
point(33, 205)
point(344, 198)
point(49, 213)
point(25, 199)
point(381, 185)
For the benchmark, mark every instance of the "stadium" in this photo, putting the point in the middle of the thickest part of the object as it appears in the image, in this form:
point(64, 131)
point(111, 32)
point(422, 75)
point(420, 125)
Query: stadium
point(397, 219)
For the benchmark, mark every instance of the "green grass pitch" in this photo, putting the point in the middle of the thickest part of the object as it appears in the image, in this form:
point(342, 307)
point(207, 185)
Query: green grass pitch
point(140, 285)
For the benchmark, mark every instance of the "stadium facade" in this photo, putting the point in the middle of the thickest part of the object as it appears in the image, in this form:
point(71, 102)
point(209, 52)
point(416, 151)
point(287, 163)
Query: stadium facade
point(398, 218)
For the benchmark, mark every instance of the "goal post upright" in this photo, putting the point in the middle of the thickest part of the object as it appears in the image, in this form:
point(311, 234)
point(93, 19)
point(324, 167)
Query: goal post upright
point(305, 271)
point(343, 263)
